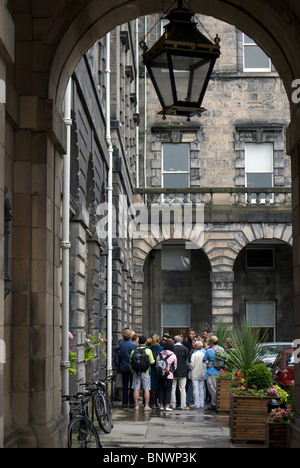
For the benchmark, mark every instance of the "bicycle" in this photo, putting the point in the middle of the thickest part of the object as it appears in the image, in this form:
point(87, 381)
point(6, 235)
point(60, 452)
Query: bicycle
point(101, 404)
point(81, 431)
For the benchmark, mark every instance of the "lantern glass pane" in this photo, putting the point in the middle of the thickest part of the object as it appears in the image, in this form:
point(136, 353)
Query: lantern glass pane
point(190, 74)
point(160, 70)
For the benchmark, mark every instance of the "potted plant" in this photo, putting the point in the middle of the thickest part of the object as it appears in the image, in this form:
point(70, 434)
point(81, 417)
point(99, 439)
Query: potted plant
point(248, 401)
point(224, 383)
point(276, 427)
point(249, 404)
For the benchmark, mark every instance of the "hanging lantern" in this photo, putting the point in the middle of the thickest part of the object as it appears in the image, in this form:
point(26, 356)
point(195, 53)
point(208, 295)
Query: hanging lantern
point(180, 64)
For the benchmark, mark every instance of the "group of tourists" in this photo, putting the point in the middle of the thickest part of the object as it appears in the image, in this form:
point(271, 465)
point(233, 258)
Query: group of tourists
point(171, 370)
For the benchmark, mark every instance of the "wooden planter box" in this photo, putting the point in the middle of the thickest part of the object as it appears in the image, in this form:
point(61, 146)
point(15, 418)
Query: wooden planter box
point(276, 435)
point(247, 418)
point(223, 395)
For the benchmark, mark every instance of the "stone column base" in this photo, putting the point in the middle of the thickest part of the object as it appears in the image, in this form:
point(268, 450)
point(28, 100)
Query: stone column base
point(52, 435)
point(294, 432)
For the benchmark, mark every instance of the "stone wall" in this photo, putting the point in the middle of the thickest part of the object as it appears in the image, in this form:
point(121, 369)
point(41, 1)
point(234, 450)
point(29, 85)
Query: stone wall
point(89, 169)
point(224, 292)
point(242, 107)
point(54, 36)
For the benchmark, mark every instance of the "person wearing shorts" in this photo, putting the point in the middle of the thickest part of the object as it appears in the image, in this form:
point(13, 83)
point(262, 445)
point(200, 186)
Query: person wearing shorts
point(143, 380)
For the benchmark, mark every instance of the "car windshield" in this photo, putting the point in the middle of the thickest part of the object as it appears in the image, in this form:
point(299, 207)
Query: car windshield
point(271, 349)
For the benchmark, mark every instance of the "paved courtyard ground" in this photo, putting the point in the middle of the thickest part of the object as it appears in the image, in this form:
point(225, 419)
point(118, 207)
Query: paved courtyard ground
point(195, 428)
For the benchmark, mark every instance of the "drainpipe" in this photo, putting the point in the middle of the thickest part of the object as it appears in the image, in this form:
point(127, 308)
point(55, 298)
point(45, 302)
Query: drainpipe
point(145, 121)
point(137, 100)
point(65, 364)
point(109, 306)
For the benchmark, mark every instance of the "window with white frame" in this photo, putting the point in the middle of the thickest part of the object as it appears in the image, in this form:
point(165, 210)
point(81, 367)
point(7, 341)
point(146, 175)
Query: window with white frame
point(261, 315)
point(175, 165)
point(254, 59)
point(259, 167)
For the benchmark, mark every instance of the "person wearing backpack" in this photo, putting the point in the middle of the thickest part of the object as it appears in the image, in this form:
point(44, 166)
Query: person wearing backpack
point(126, 346)
point(165, 378)
point(156, 348)
point(209, 357)
point(141, 359)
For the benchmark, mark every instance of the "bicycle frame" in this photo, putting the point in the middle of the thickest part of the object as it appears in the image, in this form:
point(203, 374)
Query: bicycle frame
point(101, 392)
point(81, 412)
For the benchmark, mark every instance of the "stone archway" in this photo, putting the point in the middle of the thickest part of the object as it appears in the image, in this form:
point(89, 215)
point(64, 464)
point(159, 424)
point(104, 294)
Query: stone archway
point(184, 282)
point(94, 19)
point(222, 251)
point(263, 283)
point(55, 35)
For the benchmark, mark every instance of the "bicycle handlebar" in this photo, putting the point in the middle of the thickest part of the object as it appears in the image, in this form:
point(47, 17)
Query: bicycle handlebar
point(98, 382)
point(78, 396)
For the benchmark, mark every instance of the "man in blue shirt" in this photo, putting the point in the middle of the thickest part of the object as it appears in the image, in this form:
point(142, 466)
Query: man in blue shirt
point(126, 346)
point(209, 357)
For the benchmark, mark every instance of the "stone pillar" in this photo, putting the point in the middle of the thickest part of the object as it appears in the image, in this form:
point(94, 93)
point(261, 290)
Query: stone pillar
point(2, 185)
point(222, 296)
point(138, 321)
point(293, 148)
point(78, 285)
point(7, 52)
point(36, 398)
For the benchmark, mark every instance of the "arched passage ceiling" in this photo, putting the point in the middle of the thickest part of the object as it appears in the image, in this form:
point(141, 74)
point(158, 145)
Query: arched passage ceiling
point(273, 24)
point(59, 32)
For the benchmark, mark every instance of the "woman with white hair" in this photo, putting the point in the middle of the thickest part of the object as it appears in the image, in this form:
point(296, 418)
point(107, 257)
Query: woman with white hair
point(197, 375)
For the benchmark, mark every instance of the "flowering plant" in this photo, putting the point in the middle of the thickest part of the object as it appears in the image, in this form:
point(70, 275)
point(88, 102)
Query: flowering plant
point(282, 394)
point(280, 414)
point(272, 391)
point(278, 392)
point(72, 356)
point(90, 347)
point(240, 386)
point(224, 374)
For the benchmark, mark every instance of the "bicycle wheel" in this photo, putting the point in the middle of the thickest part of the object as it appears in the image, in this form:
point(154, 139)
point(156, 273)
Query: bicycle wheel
point(82, 434)
point(103, 412)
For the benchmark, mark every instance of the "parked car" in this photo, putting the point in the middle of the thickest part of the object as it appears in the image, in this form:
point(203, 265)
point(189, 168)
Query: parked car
point(271, 350)
point(283, 368)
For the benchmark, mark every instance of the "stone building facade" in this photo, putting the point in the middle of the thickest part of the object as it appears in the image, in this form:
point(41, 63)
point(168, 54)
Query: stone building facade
point(41, 43)
point(210, 287)
point(89, 183)
point(245, 110)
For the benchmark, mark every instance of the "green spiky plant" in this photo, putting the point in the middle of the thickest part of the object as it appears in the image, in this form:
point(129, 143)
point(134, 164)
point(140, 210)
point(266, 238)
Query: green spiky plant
point(222, 330)
point(247, 350)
